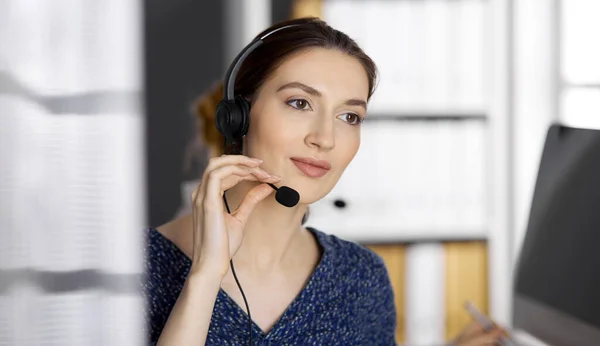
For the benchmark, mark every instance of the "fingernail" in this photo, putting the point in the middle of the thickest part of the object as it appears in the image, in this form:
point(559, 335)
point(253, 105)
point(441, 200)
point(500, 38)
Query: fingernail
point(276, 177)
point(258, 160)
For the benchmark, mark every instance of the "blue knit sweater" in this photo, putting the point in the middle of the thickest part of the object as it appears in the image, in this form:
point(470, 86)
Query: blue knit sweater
point(348, 300)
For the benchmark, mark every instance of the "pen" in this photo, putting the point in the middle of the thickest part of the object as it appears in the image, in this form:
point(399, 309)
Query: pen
point(486, 323)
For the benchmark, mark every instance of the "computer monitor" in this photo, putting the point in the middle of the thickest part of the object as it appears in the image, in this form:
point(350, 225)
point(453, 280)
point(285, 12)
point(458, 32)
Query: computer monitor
point(557, 282)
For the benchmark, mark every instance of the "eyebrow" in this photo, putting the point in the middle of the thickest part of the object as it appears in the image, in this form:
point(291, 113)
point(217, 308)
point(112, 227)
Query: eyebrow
point(356, 102)
point(312, 91)
point(303, 87)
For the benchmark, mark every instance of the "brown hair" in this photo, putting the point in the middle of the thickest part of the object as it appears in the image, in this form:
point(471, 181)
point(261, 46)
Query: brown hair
point(309, 32)
point(205, 107)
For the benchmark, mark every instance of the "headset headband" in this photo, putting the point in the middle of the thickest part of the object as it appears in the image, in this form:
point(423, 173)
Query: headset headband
point(231, 75)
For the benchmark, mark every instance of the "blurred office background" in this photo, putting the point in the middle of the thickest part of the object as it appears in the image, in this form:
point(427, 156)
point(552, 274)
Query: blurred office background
point(98, 139)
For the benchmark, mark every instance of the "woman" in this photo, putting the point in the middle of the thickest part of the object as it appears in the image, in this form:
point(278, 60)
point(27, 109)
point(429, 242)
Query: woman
point(308, 86)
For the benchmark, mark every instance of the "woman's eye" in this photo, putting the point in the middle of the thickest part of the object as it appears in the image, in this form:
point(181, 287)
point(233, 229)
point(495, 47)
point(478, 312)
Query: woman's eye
point(299, 104)
point(352, 118)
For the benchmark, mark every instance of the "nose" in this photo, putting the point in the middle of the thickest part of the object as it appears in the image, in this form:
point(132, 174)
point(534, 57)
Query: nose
point(322, 134)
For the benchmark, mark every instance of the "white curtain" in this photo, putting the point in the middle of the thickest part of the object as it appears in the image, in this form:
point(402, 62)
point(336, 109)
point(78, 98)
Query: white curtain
point(71, 172)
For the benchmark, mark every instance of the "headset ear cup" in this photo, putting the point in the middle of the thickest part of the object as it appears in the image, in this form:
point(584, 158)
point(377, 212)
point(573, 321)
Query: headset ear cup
point(225, 119)
point(232, 118)
point(244, 116)
point(222, 116)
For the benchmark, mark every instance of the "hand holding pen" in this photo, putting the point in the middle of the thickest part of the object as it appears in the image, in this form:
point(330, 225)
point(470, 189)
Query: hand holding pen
point(482, 332)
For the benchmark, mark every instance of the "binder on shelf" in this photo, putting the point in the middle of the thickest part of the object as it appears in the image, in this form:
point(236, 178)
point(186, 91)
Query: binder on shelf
point(411, 180)
point(429, 53)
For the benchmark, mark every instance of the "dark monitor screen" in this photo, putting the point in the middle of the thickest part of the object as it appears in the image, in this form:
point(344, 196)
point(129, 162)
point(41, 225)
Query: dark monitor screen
point(558, 274)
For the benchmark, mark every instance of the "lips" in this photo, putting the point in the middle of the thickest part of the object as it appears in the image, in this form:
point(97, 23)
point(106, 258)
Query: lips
point(311, 167)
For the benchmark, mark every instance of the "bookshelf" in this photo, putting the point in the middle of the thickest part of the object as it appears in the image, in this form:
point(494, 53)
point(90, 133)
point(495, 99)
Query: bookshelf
point(426, 125)
point(447, 65)
point(429, 53)
point(438, 132)
point(579, 73)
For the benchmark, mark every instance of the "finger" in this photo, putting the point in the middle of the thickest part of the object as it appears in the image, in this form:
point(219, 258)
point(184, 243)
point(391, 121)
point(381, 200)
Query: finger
point(472, 329)
point(224, 160)
point(497, 333)
point(490, 338)
point(230, 181)
point(213, 190)
point(501, 330)
point(197, 196)
point(260, 173)
point(196, 215)
point(215, 187)
point(217, 162)
point(480, 341)
point(255, 195)
point(199, 193)
point(232, 175)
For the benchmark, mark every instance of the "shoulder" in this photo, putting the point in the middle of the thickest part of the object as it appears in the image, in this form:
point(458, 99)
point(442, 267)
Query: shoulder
point(165, 272)
point(362, 277)
point(162, 255)
point(350, 256)
point(165, 266)
point(356, 266)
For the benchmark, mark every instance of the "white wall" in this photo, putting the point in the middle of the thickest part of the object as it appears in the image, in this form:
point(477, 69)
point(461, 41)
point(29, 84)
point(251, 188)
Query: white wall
point(244, 19)
point(535, 99)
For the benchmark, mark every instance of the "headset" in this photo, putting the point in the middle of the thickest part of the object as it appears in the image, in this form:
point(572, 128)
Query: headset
point(233, 111)
point(232, 116)
point(232, 119)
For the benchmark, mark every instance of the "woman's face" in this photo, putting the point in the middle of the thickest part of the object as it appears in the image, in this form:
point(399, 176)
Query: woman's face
point(309, 109)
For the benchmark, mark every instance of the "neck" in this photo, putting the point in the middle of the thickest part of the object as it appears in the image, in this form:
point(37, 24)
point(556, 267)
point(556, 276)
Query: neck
point(270, 233)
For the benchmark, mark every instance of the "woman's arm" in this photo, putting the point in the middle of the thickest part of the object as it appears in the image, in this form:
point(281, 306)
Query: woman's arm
point(217, 235)
point(190, 318)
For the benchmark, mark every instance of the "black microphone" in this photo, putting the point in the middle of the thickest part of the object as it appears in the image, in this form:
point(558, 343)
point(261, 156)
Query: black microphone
point(286, 196)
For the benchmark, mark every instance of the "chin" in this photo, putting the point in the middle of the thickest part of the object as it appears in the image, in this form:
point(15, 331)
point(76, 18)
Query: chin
point(312, 195)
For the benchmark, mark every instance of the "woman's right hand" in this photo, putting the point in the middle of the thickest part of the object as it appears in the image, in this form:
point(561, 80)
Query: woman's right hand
point(218, 234)
point(475, 335)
